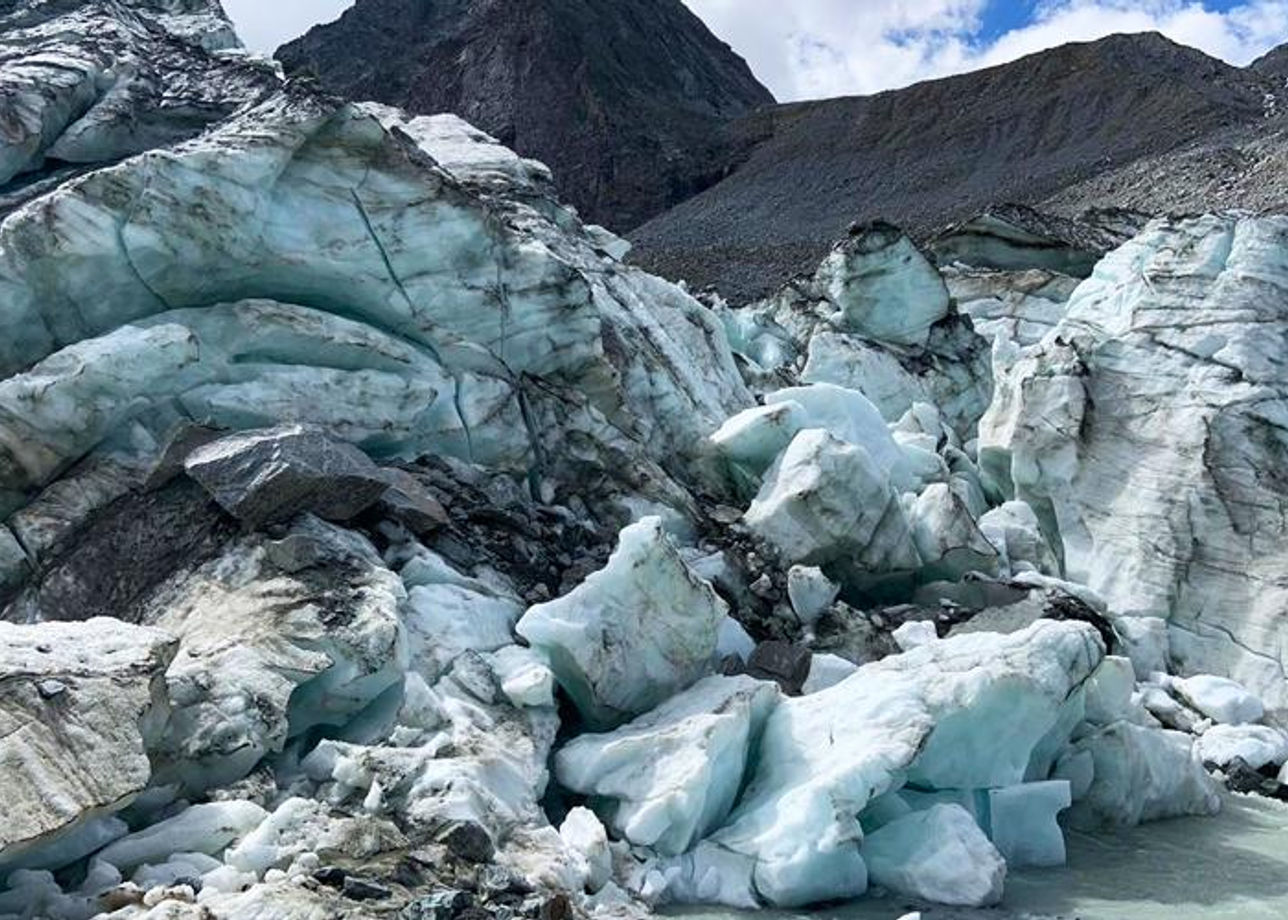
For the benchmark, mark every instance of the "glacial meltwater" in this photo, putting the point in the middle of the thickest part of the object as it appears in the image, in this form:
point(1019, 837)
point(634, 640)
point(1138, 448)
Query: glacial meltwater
point(1230, 867)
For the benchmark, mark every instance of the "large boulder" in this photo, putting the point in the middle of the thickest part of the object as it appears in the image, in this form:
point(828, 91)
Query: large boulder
point(268, 476)
point(83, 706)
point(1147, 432)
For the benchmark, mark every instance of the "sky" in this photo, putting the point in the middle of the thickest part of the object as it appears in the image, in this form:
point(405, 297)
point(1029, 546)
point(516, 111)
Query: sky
point(810, 49)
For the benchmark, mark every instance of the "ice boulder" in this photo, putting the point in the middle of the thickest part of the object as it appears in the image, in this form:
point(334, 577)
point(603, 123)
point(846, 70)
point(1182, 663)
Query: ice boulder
point(883, 286)
point(811, 592)
point(583, 833)
point(670, 777)
point(1257, 746)
point(751, 441)
point(1222, 700)
point(1126, 774)
point(827, 671)
point(967, 712)
point(848, 416)
point(207, 828)
point(443, 621)
point(938, 855)
point(827, 500)
point(83, 705)
point(950, 542)
point(1014, 530)
point(634, 633)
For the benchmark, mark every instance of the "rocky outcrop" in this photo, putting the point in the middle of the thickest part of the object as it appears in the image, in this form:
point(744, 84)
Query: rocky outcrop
point(626, 102)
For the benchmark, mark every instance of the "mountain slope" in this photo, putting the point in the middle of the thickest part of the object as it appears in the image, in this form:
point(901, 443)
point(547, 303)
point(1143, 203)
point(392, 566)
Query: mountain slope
point(625, 101)
point(942, 150)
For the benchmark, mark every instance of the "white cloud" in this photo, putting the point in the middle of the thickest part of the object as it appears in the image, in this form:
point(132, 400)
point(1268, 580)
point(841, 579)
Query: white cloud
point(806, 49)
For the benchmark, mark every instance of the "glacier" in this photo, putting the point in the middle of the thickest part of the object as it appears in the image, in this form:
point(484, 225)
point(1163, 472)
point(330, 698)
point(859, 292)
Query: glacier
point(375, 540)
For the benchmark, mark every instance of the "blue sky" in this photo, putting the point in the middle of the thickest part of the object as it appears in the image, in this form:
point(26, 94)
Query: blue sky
point(806, 49)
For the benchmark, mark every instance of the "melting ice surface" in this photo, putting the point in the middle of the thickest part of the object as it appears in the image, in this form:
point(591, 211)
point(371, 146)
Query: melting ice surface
point(1230, 867)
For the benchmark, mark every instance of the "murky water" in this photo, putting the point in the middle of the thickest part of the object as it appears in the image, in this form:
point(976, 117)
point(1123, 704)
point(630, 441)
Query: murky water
point(1231, 867)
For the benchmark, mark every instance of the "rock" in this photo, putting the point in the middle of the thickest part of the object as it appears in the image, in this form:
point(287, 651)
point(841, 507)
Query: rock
point(362, 889)
point(1138, 774)
point(939, 855)
point(595, 119)
point(1258, 746)
point(784, 663)
point(265, 477)
point(964, 713)
point(634, 633)
point(410, 503)
point(670, 777)
point(1221, 700)
point(470, 842)
point(82, 751)
point(825, 500)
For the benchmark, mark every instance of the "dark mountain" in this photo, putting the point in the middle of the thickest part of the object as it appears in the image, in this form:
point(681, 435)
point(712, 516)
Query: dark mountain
point(1273, 64)
point(626, 101)
point(944, 150)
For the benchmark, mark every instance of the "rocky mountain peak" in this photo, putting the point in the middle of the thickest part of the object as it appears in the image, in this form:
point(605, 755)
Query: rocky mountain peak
point(626, 101)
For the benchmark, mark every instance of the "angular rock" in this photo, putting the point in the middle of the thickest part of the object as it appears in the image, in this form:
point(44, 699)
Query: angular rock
point(784, 663)
point(634, 633)
point(72, 755)
point(266, 477)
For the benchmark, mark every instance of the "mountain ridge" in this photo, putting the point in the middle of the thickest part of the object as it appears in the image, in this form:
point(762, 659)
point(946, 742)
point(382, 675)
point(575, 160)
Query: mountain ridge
point(922, 159)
